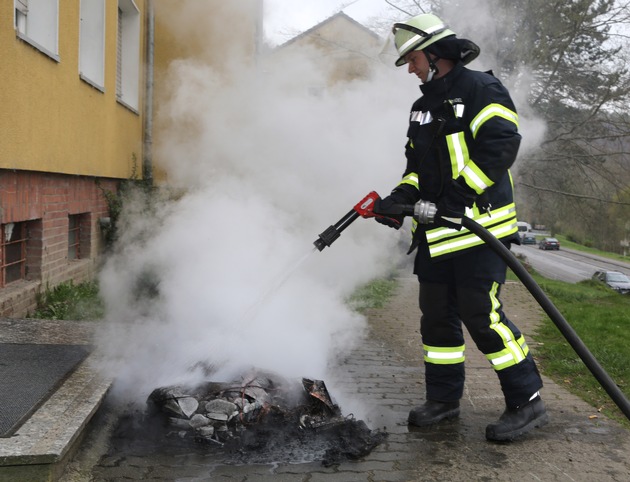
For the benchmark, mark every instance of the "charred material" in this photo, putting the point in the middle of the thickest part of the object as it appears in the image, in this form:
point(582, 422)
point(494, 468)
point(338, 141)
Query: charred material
point(262, 414)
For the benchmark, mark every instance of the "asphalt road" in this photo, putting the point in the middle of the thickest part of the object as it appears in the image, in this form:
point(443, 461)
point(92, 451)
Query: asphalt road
point(566, 264)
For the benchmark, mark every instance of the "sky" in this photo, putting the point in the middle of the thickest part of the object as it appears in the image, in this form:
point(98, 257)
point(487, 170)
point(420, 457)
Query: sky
point(286, 18)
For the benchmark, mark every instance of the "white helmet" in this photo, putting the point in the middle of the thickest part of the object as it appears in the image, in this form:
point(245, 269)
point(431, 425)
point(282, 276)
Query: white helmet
point(417, 33)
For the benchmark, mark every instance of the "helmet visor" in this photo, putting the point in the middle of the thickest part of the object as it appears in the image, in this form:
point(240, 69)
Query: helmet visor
point(408, 38)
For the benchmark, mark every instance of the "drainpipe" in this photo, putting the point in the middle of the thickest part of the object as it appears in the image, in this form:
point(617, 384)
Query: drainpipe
point(147, 161)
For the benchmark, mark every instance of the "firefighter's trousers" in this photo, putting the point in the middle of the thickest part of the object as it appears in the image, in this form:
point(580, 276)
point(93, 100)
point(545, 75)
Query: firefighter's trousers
point(465, 290)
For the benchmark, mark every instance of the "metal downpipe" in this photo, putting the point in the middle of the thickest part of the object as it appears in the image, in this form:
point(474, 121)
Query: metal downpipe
point(147, 160)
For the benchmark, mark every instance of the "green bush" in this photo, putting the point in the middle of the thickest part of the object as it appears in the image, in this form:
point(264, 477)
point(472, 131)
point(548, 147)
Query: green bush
point(68, 301)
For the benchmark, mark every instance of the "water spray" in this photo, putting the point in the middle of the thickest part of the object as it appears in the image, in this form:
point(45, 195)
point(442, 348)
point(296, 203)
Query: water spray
point(424, 213)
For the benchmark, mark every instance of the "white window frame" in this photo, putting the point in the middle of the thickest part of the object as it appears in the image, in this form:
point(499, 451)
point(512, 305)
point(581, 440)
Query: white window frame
point(128, 68)
point(21, 11)
point(37, 23)
point(92, 43)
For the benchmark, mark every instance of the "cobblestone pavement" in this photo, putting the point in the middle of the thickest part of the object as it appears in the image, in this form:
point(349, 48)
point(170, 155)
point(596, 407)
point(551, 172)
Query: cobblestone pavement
point(385, 374)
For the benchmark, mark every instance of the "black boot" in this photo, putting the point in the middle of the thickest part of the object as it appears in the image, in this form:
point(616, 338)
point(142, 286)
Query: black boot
point(518, 421)
point(432, 412)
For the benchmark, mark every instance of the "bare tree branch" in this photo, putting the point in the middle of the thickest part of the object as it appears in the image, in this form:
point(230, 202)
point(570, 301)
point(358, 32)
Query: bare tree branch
point(569, 194)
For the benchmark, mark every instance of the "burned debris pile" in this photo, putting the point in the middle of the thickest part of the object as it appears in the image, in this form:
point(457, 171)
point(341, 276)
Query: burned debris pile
point(262, 415)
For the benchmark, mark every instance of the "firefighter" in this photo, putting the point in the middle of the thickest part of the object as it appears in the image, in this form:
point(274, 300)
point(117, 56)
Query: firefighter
point(462, 139)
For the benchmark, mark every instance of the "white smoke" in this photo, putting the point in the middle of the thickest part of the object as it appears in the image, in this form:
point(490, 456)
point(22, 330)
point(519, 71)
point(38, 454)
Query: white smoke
point(263, 166)
point(263, 163)
point(479, 21)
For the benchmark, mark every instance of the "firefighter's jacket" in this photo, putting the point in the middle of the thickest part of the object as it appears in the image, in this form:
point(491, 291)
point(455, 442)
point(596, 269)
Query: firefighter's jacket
point(464, 127)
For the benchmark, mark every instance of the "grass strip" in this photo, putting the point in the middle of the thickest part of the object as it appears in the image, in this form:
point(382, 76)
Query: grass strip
point(601, 318)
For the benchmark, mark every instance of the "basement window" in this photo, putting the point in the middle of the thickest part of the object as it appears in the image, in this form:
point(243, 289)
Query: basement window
point(13, 251)
point(74, 237)
point(37, 23)
point(78, 236)
point(92, 43)
point(21, 249)
point(128, 55)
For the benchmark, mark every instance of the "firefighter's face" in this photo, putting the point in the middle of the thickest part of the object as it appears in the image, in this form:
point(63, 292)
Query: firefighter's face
point(418, 64)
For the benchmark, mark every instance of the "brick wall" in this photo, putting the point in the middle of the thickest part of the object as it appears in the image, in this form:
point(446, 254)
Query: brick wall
point(45, 201)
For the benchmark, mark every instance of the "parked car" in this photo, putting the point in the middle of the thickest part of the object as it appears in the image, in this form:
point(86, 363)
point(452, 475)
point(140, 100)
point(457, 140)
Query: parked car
point(549, 243)
point(614, 279)
point(528, 238)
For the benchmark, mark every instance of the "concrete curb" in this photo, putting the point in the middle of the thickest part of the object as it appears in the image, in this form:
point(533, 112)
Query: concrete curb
point(43, 444)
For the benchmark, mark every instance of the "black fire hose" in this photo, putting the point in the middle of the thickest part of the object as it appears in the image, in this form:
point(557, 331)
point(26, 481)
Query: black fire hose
point(567, 330)
point(423, 212)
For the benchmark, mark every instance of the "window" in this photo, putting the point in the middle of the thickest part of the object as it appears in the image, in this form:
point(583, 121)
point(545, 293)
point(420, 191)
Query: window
point(128, 54)
point(13, 252)
point(36, 22)
point(74, 237)
point(92, 43)
point(78, 236)
point(21, 11)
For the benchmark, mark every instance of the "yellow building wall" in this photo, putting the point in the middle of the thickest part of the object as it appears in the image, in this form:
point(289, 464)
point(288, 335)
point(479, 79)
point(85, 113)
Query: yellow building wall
point(51, 120)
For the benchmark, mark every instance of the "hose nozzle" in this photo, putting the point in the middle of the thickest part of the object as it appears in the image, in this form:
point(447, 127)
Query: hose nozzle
point(327, 238)
point(331, 233)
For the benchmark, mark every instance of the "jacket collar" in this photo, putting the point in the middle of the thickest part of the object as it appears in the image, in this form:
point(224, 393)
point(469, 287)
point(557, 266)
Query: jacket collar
point(440, 86)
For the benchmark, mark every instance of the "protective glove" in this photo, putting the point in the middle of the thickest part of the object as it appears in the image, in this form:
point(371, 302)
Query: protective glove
point(383, 206)
point(451, 207)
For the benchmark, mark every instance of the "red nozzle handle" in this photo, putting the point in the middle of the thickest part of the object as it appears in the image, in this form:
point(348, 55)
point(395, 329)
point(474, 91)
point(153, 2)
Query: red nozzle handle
point(365, 207)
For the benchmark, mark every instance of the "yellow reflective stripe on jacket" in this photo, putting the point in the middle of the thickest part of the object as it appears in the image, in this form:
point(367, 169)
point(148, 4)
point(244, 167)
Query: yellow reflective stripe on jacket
point(483, 218)
point(488, 113)
point(440, 355)
point(462, 164)
point(475, 178)
point(468, 241)
point(505, 213)
point(458, 152)
point(514, 353)
point(446, 240)
point(411, 179)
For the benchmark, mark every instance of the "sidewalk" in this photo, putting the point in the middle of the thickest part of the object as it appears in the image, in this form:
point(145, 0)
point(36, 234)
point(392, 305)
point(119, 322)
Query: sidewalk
point(572, 447)
point(41, 446)
point(385, 374)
